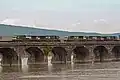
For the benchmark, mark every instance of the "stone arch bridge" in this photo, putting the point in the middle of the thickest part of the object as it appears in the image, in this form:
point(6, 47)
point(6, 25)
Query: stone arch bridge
point(83, 51)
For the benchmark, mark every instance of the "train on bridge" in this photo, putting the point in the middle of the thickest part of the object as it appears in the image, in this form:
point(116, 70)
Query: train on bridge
point(59, 38)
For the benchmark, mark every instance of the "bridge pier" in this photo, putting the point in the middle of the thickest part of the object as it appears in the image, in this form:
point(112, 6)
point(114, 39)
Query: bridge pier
point(70, 54)
point(72, 58)
point(22, 55)
point(24, 62)
point(1, 57)
point(91, 56)
point(50, 58)
point(24, 58)
point(111, 55)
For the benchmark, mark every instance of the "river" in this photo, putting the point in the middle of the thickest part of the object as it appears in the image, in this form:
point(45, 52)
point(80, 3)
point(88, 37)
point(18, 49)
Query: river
point(97, 71)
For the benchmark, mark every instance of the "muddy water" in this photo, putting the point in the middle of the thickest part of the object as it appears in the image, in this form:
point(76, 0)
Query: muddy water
point(98, 71)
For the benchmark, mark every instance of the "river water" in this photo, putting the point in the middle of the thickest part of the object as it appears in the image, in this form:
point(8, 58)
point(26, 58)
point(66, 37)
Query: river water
point(97, 71)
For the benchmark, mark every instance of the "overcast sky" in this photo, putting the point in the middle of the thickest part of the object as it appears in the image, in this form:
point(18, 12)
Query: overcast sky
point(71, 15)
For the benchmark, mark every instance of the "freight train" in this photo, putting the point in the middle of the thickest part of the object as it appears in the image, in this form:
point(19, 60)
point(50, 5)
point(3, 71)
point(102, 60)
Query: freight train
point(59, 38)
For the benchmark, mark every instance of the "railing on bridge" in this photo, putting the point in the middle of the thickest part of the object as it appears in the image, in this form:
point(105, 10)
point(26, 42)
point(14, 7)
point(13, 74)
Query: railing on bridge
point(80, 42)
point(57, 39)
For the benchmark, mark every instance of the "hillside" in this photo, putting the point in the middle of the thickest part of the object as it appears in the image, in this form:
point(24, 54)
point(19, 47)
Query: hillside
point(10, 30)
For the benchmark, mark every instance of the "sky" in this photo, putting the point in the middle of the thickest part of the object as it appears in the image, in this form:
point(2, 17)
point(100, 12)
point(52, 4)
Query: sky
point(69, 15)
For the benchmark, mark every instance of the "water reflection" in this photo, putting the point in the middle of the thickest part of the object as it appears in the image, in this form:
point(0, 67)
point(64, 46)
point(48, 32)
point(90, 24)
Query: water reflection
point(49, 60)
point(100, 71)
point(50, 69)
point(24, 65)
point(1, 57)
point(24, 68)
point(72, 61)
point(1, 69)
point(72, 58)
point(72, 67)
point(63, 76)
point(24, 61)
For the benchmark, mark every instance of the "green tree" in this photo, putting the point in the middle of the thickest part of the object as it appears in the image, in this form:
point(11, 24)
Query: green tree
point(47, 51)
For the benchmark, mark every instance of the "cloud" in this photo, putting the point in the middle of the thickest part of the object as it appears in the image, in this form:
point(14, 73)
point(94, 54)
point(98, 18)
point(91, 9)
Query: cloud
point(103, 20)
point(100, 21)
point(101, 26)
point(79, 23)
point(9, 21)
point(76, 24)
point(95, 21)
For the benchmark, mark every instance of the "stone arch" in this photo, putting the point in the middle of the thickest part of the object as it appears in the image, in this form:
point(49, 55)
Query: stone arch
point(9, 56)
point(100, 52)
point(116, 52)
point(60, 53)
point(36, 55)
point(81, 52)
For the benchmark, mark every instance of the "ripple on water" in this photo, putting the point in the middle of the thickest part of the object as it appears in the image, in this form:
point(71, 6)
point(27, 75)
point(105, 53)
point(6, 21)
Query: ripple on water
point(99, 71)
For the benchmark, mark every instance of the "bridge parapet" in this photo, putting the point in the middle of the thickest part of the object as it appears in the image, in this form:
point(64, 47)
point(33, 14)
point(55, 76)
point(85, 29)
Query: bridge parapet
point(59, 43)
